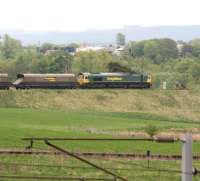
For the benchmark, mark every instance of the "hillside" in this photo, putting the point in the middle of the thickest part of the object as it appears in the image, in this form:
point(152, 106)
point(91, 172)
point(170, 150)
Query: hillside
point(134, 33)
point(181, 105)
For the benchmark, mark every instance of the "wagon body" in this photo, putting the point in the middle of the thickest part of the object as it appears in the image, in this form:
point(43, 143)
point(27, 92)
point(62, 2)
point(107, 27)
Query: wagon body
point(4, 81)
point(46, 81)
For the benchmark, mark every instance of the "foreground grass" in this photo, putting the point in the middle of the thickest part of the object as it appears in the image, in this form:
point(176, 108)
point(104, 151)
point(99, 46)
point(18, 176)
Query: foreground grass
point(17, 123)
point(63, 166)
point(20, 123)
point(96, 113)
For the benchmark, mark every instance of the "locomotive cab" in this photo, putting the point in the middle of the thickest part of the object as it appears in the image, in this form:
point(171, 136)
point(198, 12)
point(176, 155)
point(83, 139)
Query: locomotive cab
point(83, 78)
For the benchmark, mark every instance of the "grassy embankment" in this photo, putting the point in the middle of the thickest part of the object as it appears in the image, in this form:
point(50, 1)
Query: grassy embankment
point(182, 105)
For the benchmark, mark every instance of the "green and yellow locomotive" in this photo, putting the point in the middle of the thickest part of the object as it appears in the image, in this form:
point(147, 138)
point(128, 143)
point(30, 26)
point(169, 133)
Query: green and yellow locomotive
point(114, 80)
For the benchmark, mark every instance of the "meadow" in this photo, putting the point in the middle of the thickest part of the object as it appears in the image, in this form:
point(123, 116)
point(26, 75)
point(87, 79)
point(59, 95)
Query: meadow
point(19, 123)
point(97, 113)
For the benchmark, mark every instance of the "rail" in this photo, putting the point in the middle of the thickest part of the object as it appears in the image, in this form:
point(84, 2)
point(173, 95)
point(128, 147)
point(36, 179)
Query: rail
point(99, 154)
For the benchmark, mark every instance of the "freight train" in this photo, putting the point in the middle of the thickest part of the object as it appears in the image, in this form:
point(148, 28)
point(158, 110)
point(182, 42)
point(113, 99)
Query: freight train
point(71, 81)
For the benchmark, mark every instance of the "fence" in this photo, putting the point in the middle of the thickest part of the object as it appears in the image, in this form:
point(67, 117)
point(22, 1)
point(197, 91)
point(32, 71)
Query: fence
point(109, 172)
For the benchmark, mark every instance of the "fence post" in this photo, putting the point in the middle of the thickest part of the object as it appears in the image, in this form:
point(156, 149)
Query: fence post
point(187, 158)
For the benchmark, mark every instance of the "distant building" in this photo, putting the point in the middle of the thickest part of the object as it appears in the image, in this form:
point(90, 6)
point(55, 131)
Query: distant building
point(119, 50)
point(90, 48)
point(68, 49)
point(116, 50)
point(111, 48)
point(48, 52)
point(65, 48)
point(180, 46)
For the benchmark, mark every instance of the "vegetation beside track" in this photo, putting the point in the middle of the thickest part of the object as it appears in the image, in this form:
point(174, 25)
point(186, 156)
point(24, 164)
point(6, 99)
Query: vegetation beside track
point(171, 104)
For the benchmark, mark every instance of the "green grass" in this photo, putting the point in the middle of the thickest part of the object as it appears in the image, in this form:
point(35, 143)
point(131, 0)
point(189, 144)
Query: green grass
point(130, 169)
point(20, 123)
point(96, 113)
point(17, 123)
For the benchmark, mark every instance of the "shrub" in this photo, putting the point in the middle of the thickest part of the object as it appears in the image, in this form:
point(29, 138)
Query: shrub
point(151, 130)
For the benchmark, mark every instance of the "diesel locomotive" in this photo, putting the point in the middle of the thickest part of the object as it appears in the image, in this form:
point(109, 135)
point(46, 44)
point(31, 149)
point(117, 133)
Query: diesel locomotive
point(114, 80)
point(82, 80)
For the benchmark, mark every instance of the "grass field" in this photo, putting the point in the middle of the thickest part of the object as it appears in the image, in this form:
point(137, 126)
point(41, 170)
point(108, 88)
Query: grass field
point(20, 123)
point(97, 113)
point(61, 166)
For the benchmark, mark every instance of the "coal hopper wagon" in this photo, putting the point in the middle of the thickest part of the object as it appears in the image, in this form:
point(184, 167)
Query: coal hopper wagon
point(46, 81)
point(4, 81)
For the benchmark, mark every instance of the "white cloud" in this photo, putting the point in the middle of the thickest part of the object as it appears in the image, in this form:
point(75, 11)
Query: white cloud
point(76, 15)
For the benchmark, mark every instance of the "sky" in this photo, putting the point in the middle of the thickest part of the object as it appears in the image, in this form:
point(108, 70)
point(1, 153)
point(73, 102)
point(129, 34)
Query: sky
point(80, 15)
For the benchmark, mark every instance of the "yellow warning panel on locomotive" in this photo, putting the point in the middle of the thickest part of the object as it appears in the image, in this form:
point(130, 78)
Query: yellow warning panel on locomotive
point(114, 78)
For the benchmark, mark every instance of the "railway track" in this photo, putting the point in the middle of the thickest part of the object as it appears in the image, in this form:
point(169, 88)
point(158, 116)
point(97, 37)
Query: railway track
point(95, 154)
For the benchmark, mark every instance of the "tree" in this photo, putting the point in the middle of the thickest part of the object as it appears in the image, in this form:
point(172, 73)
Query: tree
point(195, 43)
point(152, 51)
point(10, 47)
point(136, 49)
point(194, 70)
point(121, 39)
point(168, 48)
point(151, 130)
point(186, 50)
point(183, 65)
point(60, 62)
point(47, 46)
point(74, 45)
point(42, 66)
point(157, 50)
point(91, 62)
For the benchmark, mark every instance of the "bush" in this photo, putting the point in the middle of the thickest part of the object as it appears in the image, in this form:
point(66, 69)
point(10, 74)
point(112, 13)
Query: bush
point(151, 130)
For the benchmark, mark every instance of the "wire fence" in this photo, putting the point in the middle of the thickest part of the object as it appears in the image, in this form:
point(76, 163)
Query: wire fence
point(75, 167)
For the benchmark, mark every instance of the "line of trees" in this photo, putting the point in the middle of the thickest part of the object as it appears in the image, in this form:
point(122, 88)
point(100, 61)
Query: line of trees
point(162, 50)
point(177, 63)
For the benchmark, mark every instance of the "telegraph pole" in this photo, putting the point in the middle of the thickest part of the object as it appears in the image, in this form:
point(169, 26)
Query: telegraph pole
point(187, 158)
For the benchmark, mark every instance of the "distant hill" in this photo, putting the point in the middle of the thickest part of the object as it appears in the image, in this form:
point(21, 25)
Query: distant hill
point(135, 33)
